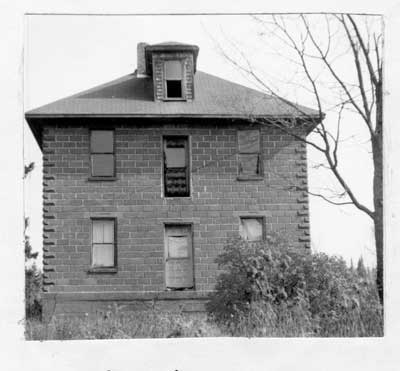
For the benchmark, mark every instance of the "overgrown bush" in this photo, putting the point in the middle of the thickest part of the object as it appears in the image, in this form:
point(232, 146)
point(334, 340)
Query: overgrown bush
point(271, 289)
point(33, 275)
point(33, 290)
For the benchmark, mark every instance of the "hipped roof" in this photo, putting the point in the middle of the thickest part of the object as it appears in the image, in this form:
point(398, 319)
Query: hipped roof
point(133, 96)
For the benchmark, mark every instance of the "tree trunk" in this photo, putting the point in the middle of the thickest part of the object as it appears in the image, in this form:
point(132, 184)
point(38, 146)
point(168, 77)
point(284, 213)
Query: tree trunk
point(378, 224)
point(377, 154)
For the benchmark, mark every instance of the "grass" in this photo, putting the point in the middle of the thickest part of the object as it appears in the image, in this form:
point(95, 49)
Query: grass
point(265, 320)
point(114, 324)
point(153, 323)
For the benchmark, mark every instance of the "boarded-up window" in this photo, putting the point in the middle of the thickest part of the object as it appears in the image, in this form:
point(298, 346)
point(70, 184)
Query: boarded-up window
point(178, 257)
point(103, 243)
point(176, 167)
point(249, 153)
point(102, 153)
point(252, 229)
point(173, 79)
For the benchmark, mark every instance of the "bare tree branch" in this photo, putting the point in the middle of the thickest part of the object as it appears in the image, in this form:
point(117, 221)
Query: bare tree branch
point(333, 72)
point(305, 67)
point(359, 76)
point(337, 140)
point(330, 201)
point(364, 49)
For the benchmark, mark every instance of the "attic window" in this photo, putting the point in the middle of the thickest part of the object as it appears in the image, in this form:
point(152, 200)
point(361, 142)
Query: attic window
point(173, 79)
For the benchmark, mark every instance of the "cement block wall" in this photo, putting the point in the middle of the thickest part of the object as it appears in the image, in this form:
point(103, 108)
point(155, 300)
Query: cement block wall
point(135, 198)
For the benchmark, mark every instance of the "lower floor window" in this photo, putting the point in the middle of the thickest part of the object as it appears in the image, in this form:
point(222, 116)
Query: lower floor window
point(103, 243)
point(178, 256)
point(178, 247)
point(252, 228)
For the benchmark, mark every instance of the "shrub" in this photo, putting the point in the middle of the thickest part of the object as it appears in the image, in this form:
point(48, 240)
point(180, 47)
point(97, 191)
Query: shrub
point(33, 289)
point(272, 286)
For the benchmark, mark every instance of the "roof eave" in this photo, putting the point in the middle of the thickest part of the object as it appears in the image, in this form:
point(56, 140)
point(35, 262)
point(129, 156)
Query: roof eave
point(29, 116)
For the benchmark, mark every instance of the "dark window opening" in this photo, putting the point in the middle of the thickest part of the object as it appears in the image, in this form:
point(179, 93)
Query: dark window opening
point(249, 159)
point(173, 79)
point(102, 153)
point(176, 167)
point(174, 88)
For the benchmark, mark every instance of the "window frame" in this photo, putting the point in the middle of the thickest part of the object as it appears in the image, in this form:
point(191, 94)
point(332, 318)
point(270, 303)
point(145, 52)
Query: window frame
point(177, 224)
point(102, 177)
point(182, 80)
point(104, 269)
point(263, 225)
point(188, 165)
point(260, 175)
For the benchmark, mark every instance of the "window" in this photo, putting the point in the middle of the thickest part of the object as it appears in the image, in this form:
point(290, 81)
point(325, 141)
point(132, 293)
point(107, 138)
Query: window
point(249, 154)
point(102, 153)
point(178, 256)
point(173, 79)
point(103, 243)
point(252, 228)
point(176, 167)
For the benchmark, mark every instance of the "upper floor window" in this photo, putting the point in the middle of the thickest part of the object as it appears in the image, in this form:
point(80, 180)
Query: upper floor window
point(249, 148)
point(102, 153)
point(173, 79)
point(176, 166)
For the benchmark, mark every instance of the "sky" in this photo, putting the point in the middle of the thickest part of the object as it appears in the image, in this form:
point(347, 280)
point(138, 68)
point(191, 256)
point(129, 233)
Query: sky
point(64, 55)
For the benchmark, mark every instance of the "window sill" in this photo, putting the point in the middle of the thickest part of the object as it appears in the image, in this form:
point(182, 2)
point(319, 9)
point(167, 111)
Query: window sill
point(173, 99)
point(180, 289)
point(180, 258)
point(175, 197)
point(102, 270)
point(244, 178)
point(101, 178)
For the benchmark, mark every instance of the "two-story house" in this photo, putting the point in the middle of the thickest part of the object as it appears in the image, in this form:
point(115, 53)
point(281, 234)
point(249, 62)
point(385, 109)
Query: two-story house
point(146, 177)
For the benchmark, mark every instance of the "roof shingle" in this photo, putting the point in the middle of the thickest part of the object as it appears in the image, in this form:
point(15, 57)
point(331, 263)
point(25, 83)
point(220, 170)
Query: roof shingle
point(133, 96)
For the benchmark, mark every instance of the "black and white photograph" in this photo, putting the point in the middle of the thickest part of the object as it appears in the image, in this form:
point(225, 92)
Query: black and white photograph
point(199, 186)
point(211, 176)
